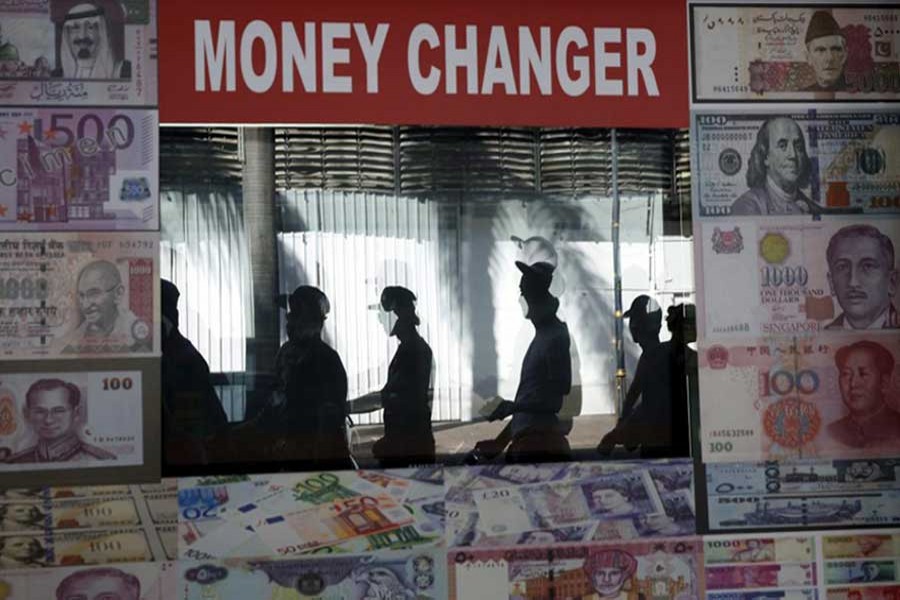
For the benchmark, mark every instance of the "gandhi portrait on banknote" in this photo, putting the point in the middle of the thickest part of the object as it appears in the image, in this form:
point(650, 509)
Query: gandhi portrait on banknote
point(21, 517)
point(92, 42)
point(865, 377)
point(19, 551)
point(863, 277)
point(608, 571)
point(54, 409)
point(777, 171)
point(104, 583)
point(826, 51)
point(101, 292)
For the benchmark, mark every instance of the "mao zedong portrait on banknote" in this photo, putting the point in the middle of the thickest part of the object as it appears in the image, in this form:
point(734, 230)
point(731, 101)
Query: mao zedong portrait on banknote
point(863, 278)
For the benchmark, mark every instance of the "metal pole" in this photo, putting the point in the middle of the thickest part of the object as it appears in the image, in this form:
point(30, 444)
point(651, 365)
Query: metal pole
point(617, 276)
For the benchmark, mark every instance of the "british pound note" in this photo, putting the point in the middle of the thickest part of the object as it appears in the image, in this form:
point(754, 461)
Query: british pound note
point(831, 163)
point(78, 169)
point(67, 420)
point(803, 399)
point(790, 279)
point(813, 53)
point(61, 53)
point(65, 548)
point(138, 581)
point(79, 295)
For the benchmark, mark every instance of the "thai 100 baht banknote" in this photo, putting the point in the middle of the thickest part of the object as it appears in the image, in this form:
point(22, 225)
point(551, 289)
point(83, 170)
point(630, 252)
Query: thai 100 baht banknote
point(52, 548)
point(795, 52)
point(79, 295)
point(70, 420)
point(803, 399)
point(138, 581)
point(78, 169)
point(798, 279)
point(761, 549)
point(640, 569)
point(417, 575)
point(64, 54)
point(804, 477)
point(861, 545)
point(804, 162)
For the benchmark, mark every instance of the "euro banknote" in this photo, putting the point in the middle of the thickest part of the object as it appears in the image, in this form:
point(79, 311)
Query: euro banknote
point(861, 545)
point(798, 279)
point(803, 476)
point(137, 581)
point(795, 52)
point(781, 401)
point(735, 513)
point(69, 420)
point(79, 169)
point(52, 548)
point(388, 575)
point(658, 569)
point(865, 571)
point(878, 592)
point(79, 295)
point(762, 549)
point(760, 576)
point(44, 63)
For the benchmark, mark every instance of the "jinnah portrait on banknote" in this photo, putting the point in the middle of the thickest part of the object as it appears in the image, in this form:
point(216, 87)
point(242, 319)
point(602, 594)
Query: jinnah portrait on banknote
point(826, 49)
point(92, 42)
point(105, 583)
point(54, 410)
point(777, 171)
point(863, 277)
point(865, 377)
point(21, 517)
point(20, 551)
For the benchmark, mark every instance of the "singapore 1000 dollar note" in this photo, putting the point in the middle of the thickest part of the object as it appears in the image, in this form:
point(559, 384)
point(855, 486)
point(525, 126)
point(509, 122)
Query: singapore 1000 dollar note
point(804, 52)
point(797, 279)
point(79, 295)
point(775, 401)
point(837, 163)
point(137, 581)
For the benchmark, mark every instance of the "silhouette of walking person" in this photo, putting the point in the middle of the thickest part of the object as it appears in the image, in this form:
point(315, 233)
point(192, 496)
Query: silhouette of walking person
point(408, 438)
point(535, 433)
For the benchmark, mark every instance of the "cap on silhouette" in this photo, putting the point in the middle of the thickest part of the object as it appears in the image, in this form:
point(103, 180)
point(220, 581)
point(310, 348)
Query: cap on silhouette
point(822, 24)
point(643, 306)
point(539, 273)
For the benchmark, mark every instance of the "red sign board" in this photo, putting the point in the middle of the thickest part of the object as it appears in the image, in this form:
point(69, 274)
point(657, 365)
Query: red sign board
point(460, 62)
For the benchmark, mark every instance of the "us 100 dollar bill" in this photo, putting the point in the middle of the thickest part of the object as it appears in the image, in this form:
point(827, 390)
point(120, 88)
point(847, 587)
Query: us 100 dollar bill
point(68, 514)
point(52, 548)
point(790, 400)
point(78, 169)
point(795, 52)
point(70, 420)
point(45, 61)
point(79, 295)
point(831, 162)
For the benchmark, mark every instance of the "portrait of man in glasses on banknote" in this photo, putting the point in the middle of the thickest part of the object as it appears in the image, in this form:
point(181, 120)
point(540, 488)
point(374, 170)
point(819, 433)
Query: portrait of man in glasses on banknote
point(863, 278)
point(92, 42)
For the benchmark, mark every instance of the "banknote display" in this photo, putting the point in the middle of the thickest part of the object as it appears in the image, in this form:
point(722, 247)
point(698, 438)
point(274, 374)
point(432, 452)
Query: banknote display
point(862, 564)
point(787, 280)
point(78, 169)
point(420, 574)
point(811, 162)
point(638, 569)
point(79, 295)
point(52, 548)
point(68, 514)
point(65, 420)
point(813, 53)
point(54, 52)
point(839, 476)
point(139, 581)
point(795, 400)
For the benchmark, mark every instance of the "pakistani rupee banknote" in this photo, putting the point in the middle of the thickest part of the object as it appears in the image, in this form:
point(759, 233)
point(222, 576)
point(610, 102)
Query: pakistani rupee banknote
point(798, 279)
point(793, 400)
point(793, 163)
point(54, 52)
point(79, 295)
point(419, 575)
point(639, 569)
point(796, 52)
point(138, 581)
point(78, 169)
point(68, 420)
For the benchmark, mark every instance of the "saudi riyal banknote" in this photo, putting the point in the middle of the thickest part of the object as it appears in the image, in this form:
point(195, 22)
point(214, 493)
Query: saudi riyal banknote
point(793, 400)
point(78, 169)
point(804, 477)
point(52, 548)
point(762, 549)
point(79, 295)
point(830, 163)
point(69, 420)
point(638, 569)
point(798, 279)
point(45, 60)
point(861, 545)
point(138, 581)
point(419, 575)
point(806, 52)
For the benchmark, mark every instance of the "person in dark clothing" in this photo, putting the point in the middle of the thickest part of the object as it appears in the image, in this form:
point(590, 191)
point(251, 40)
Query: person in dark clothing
point(192, 411)
point(408, 438)
point(535, 433)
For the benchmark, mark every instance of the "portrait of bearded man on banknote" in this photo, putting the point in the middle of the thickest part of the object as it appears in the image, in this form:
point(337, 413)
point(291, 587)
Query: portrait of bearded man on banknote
point(54, 409)
point(863, 277)
point(21, 517)
point(608, 572)
point(21, 551)
point(91, 49)
point(865, 378)
point(826, 51)
point(103, 583)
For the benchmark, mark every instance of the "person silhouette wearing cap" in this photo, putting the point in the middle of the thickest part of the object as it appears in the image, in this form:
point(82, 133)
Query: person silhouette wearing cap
point(826, 50)
point(309, 416)
point(535, 433)
point(408, 438)
point(191, 408)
